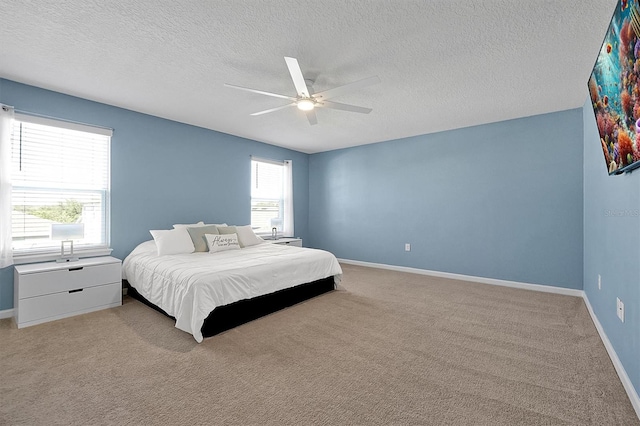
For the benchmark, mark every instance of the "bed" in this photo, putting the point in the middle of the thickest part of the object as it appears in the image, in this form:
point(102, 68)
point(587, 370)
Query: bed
point(189, 287)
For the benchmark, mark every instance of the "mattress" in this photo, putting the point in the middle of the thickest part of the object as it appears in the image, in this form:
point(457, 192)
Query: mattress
point(189, 286)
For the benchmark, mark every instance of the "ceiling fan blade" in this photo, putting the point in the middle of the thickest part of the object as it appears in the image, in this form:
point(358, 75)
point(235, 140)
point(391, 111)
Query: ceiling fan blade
point(311, 116)
point(345, 107)
point(297, 77)
point(337, 91)
point(266, 111)
point(275, 95)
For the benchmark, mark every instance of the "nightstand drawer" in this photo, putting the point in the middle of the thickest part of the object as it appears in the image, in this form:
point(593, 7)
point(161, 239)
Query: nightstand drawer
point(70, 278)
point(35, 310)
point(296, 243)
point(287, 241)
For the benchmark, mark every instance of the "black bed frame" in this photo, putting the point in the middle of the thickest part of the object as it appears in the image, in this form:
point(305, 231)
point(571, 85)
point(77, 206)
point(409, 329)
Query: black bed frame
point(229, 316)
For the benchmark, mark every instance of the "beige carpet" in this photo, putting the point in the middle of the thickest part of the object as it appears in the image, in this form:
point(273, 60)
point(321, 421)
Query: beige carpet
point(390, 349)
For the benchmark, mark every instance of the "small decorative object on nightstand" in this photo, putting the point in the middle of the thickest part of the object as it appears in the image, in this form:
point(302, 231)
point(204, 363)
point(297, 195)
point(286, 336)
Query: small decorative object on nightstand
point(276, 227)
point(49, 291)
point(66, 233)
point(287, 241)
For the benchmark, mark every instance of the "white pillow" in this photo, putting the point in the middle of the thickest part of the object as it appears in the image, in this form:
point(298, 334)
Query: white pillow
point(172, 241)
point(218, 243)
point(247, 237)
point(193, 225)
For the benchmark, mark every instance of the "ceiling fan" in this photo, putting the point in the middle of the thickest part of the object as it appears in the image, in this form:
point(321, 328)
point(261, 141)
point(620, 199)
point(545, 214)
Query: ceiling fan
point(306, 100)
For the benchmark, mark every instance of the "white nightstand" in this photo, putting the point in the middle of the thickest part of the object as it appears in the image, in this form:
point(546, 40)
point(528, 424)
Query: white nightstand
point(287, 241)
point(50, 291)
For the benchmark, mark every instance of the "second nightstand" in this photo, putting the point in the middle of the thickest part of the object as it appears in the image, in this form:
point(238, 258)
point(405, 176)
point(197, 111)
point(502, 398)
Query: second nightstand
point(287, 241)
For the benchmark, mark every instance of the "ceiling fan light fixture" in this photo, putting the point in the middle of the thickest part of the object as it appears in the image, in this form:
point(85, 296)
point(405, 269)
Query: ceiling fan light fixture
point(306, 99)
point(305, 105)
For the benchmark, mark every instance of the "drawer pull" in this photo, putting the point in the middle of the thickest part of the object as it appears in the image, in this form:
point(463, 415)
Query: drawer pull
point(79, 268)
point(76, 290)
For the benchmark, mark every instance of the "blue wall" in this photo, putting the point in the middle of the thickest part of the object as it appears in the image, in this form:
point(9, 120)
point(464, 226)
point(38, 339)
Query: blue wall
point(502, 201)
point(612, 248)
point(162, 172)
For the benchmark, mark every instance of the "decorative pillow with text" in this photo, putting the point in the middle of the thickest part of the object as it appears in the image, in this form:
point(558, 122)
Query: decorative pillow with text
point(217, 243)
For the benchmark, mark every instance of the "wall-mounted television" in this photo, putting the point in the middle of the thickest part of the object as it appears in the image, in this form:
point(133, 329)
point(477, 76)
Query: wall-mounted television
point(614, 87)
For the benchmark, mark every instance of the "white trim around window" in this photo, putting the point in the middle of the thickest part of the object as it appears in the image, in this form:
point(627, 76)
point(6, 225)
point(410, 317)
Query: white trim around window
point(60, 174)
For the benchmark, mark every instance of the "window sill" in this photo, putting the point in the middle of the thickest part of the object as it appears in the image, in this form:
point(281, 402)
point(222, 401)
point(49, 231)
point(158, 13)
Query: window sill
point(21, 259)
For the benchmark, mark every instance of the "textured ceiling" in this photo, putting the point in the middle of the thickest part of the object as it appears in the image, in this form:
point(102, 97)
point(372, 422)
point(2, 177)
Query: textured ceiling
point(442, 64)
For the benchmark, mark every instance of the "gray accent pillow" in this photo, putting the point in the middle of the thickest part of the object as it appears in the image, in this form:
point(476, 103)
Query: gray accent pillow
point(197, 235)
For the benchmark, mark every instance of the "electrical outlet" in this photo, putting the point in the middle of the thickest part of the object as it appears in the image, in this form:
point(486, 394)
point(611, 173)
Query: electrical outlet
point(599, 282)
point(407, 247)
point(620, 309)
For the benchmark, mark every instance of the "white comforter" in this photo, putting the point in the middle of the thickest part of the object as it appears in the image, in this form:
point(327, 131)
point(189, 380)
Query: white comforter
point(189, 286)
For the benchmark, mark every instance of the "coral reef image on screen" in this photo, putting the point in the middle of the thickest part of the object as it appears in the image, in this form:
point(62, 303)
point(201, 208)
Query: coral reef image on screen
point(615, 91)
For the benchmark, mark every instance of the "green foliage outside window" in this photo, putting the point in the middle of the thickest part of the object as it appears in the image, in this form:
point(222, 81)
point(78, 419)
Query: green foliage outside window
point(68, 211)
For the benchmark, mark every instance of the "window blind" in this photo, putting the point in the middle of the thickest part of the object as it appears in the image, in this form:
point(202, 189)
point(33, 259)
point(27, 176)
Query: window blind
point(266, 180)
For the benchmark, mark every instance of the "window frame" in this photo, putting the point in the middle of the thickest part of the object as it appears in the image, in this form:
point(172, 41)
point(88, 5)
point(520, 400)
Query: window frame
point(42, 254)
point(281, 200)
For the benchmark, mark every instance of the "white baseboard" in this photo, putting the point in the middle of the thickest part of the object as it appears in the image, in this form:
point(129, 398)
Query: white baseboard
point(622, 374)
point(482, 280)
point(7, 313)
point(624, 378)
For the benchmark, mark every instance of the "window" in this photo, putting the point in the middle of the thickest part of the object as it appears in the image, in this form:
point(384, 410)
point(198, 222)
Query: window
point(271, 196)
point(60, 174)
